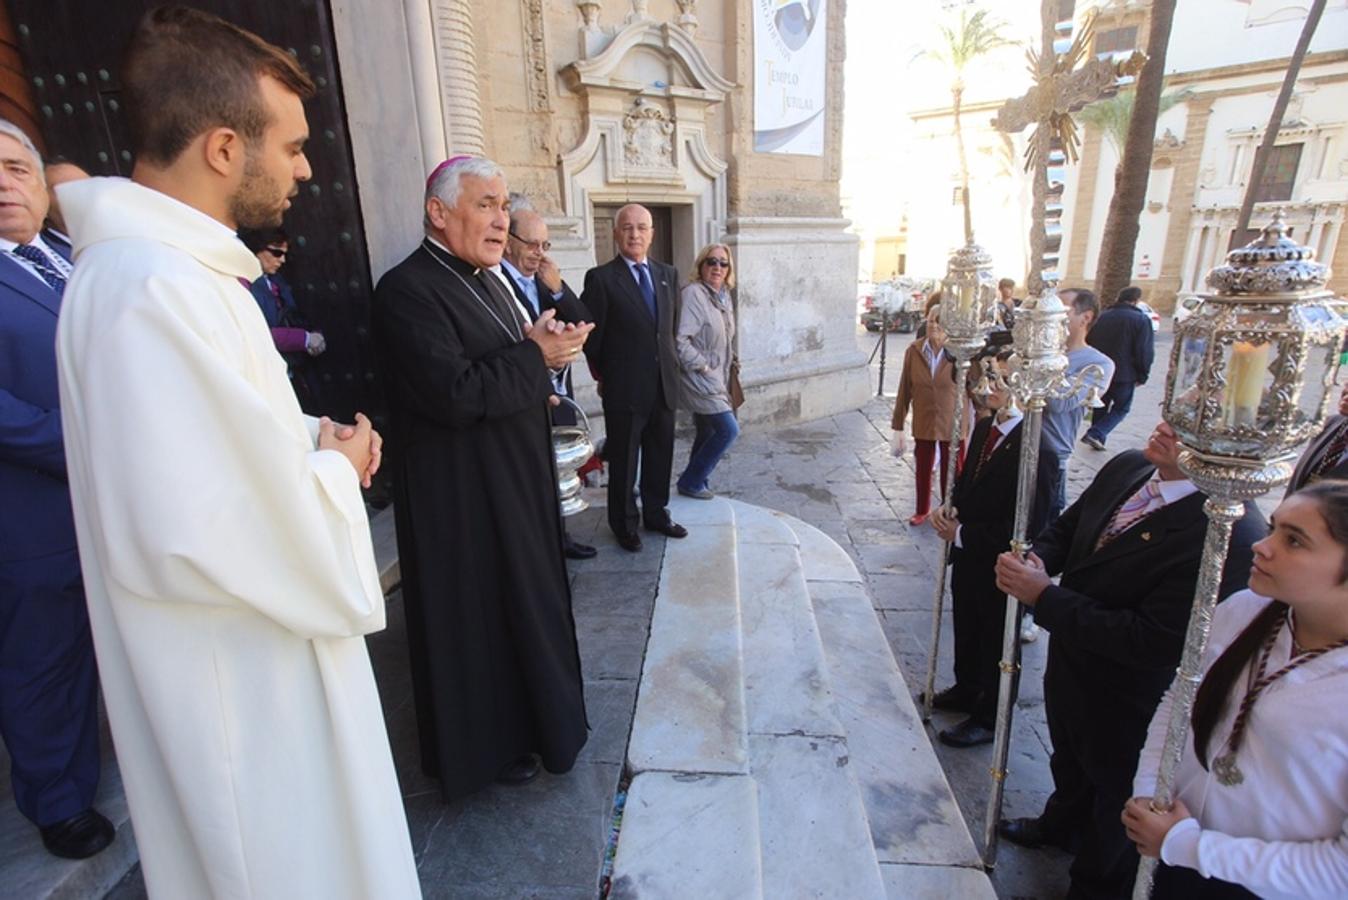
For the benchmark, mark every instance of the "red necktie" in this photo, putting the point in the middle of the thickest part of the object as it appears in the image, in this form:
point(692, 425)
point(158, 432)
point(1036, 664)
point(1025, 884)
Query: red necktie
point(989, 447)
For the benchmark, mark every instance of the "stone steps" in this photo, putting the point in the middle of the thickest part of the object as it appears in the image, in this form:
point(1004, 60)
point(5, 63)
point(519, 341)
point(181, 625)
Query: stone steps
point(797, 769)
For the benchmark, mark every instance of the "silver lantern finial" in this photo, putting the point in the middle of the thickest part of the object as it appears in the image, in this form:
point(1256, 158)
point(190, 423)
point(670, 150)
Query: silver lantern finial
point(968, 315)
point(1038, 374)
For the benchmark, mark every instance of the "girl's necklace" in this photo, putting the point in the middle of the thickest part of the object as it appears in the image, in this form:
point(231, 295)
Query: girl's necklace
point(1224, 766)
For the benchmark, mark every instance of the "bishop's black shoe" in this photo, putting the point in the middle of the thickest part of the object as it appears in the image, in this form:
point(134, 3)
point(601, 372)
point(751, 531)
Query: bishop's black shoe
point(521, 771)
point(577, 550)
point(631, 541)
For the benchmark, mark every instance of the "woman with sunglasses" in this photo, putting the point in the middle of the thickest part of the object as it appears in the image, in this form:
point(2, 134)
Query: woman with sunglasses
point(705, 342)
point(1262, 788)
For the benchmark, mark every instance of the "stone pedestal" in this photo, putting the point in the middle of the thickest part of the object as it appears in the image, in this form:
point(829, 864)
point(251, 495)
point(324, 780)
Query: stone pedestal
point(796, 289)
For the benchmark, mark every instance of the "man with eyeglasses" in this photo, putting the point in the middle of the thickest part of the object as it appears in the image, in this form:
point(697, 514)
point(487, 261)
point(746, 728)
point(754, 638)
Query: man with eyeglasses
point(632, 299)
point(538, 285)
point(289, 328)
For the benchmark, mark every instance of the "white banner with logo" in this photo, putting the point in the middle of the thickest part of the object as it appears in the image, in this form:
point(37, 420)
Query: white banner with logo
point(790, 68)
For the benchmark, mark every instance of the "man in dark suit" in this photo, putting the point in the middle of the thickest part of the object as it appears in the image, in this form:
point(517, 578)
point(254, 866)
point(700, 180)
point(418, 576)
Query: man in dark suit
point(1128, 551)
point(632, 299)
point(980, 526)
point(538, 286)
point(1124, 334)
point(48, 679)
point(1326, 456)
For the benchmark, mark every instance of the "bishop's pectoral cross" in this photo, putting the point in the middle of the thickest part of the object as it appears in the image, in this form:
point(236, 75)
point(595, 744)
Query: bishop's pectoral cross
point(1060, 89)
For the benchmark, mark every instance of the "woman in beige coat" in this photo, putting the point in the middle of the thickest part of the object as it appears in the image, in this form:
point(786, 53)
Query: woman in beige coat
point(705, 343)
point(927, 385)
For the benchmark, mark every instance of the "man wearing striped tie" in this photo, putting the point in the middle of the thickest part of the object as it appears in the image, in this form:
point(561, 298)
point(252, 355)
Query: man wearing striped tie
point(1128, 551)
point(48, 680)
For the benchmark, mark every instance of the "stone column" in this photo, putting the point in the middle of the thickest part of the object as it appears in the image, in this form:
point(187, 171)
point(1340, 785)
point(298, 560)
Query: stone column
point(1183, 193)
point(457, 59)
point(425, 80)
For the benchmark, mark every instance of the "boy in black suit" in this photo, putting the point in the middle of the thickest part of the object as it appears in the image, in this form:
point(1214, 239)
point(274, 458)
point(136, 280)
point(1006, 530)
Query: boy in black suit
point(980, 526)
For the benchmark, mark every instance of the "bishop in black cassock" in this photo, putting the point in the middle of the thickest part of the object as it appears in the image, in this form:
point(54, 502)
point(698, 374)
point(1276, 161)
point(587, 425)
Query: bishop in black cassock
point(495, 664)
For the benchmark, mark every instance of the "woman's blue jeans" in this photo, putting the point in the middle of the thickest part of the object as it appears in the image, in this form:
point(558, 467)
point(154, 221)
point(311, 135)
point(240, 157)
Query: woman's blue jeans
point(715, 433)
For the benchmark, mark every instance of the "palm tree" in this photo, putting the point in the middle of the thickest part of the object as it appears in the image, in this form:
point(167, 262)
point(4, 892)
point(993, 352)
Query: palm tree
point(1115, 268)
point(975, 35)
point(1113, 114)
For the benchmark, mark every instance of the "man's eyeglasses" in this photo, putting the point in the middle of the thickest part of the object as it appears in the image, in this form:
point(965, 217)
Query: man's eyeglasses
point(544, 246)
point(278, 252)
point(716, 262)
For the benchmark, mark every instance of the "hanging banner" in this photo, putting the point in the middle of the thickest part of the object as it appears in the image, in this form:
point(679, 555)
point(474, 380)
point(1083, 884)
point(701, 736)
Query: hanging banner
point(790, 66)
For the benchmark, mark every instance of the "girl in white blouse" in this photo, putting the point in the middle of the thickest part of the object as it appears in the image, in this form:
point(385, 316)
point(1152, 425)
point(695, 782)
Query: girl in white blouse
point(1262, 789)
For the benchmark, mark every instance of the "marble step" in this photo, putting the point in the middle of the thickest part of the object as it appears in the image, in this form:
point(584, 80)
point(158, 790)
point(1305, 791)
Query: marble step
point(815, 837)
point(920, 838)
point(776, 751)
point(687, 835)
point(690, 700)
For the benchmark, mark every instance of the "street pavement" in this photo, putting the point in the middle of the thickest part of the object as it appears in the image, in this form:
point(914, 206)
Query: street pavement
point(548, 839)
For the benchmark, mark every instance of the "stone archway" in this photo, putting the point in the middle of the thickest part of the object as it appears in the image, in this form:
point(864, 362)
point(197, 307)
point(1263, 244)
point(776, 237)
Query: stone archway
point(647, 95)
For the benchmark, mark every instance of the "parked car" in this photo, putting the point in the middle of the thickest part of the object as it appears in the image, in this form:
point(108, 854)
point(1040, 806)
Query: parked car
point(1151, 314)
point(905, 299)
point(1185, 304)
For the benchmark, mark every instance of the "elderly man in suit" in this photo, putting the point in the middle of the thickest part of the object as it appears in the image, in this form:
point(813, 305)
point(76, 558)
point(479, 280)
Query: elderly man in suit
point(48, 679)
point(632, 299)
point(1326, 456)
point(1128, 551)
point(538, 286)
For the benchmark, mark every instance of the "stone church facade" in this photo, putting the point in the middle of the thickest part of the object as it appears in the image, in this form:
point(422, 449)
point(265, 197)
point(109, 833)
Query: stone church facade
point(589, 105)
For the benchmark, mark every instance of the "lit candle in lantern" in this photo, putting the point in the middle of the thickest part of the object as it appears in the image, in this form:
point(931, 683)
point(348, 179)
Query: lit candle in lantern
point(966, 298)
point(1245, 382)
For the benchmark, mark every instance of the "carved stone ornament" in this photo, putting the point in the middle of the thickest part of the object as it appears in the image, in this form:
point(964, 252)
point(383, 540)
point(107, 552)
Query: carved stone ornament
point(1273, 264)
point(648, 136)
point(687, 19)
point(589, 13)
point(1168, 141)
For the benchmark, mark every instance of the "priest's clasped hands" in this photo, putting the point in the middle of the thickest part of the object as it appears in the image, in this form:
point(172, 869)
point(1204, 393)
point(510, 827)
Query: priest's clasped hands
point(360, 444)
point(559, 341)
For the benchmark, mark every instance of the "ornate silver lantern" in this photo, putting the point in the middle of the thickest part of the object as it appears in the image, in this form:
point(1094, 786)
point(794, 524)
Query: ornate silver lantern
point(1250, 379)
point(968, 314)
point(1251, 368)
point(1038, 374)
point(572, 446)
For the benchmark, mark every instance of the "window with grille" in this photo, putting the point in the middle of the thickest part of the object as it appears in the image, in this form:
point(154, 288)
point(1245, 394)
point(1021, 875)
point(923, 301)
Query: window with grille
point(1280, 174)
point(1116, 40)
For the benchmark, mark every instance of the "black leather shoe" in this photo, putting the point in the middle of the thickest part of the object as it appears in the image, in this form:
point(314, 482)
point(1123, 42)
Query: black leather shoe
point(631, 542)
point(952, 699)
point(1028, 832)
point(669, 529)
point(521, 771)
point(966, 734)
point(576, 550)
point(79, 837)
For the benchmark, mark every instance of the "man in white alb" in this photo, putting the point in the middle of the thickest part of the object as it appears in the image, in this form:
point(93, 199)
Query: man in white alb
point(226, 554)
